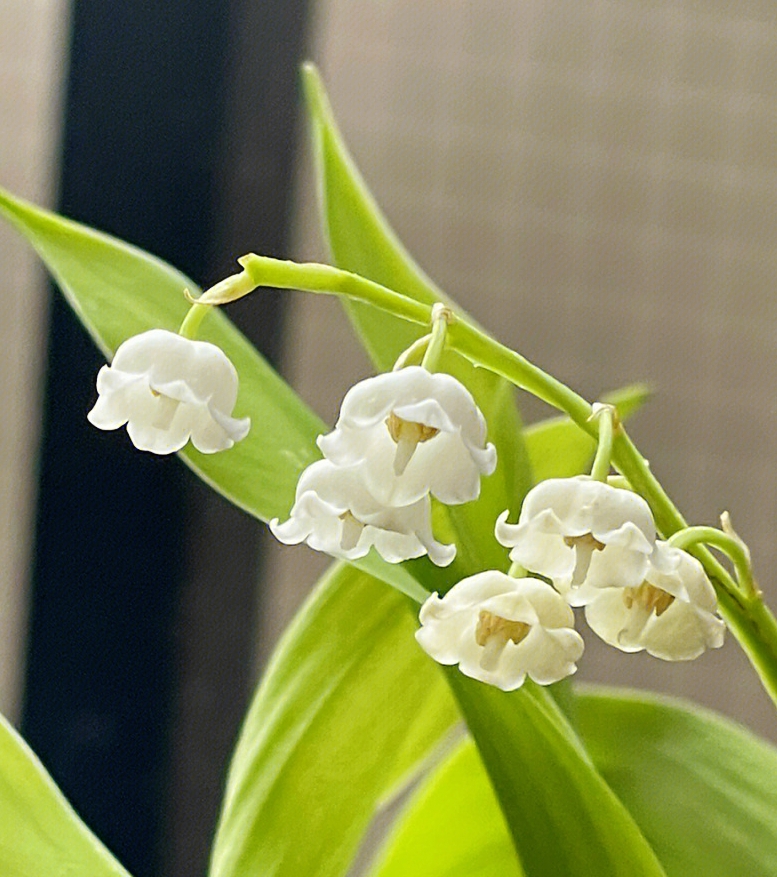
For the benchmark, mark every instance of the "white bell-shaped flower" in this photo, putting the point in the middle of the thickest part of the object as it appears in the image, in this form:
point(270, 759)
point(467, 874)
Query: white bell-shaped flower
point(671, 614)
point(500, 629)
point(412, 433)
point(169, 389)
point(334, 513)
point(577, 531)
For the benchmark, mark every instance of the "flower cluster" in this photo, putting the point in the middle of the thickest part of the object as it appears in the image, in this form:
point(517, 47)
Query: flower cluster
point(598, 547)
point(410, 435)
point(400, 439)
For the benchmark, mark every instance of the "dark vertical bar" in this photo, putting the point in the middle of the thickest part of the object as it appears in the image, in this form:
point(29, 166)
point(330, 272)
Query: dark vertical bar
point(254, 194)
point(144, 117)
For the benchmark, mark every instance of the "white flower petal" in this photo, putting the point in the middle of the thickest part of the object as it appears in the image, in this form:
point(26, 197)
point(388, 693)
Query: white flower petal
point(538, 545)
point(498, 629)
point(581, 533)
point(334, 513)
point(168, 390)
point(442, 452)
point(671, 615)
point(613, 566)
point(549, 654)
point(608, 616)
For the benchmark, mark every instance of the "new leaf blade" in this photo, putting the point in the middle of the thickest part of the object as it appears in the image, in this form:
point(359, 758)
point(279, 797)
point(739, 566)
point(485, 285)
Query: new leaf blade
point(703, 789)
point(347, 710)
point(118, 291)
point(40, 833)
point(451, 827)
point(360, 240)
point(562, 815)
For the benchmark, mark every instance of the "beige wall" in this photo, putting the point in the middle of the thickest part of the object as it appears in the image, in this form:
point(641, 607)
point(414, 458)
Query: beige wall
point(32, 41)
point(596, 180)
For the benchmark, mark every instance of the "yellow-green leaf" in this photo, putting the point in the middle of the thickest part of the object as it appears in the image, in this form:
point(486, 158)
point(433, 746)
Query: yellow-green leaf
point(40, 833)
point(348, 710)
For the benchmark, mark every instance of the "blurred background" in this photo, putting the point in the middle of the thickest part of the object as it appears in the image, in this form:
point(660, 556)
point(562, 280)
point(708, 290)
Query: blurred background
point(595, 180)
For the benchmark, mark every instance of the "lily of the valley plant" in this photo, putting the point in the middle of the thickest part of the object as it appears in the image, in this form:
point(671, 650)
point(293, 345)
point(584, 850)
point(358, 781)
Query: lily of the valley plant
point(425, 667)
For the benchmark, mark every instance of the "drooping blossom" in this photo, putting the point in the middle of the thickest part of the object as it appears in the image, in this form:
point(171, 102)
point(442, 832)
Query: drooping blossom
point(577, 531)
point(500, 629)
point(334, 513)
point(169, 389)
point(412, 432)
point(671, 614)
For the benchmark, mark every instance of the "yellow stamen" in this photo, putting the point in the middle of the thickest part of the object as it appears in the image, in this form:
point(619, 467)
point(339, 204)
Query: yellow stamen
point(408, 435)
point(587, 540)
point(493, 633)
point(490, 625)
point(352, 531)
point(408, 430)
point(648, 597)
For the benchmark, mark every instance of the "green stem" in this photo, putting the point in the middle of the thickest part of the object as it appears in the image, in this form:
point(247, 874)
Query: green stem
point(230, 288)
point(605, 415)
point(191, 322)
point(517, 571)
point(313, 277)
point(749, 619)
point(732, 547)
point(441, 318)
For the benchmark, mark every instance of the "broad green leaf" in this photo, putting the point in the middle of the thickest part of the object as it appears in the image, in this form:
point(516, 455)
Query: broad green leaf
point(558, 448)
point(703, 789)
point(40, 833)
point(348, 709)
point(563, 817)
point(361, 240)
point(117, 291)
point(452, 826)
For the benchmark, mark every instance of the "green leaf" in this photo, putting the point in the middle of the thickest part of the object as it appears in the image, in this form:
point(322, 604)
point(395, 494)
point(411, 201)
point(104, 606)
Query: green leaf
point(117, 291)
point(41, 833)
point(558, 448)
point(452, 826)
point(563, 817)
point(360, 240)
point(348, 710)
point(703, 789)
